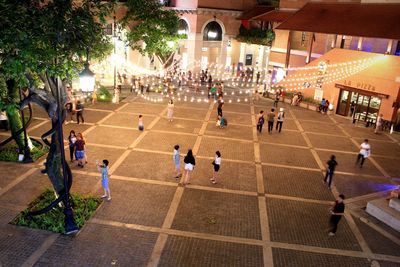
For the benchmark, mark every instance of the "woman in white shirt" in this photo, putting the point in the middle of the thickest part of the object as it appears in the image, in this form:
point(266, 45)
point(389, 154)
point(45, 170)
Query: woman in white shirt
point(379, 122)
point(217, 164)
point(170, 110)
point(365, 152)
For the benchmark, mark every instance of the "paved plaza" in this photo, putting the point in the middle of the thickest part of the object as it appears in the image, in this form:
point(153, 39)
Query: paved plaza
point(269, 207)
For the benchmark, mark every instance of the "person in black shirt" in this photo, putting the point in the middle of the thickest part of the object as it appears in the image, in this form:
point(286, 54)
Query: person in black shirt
point(190, 162)
point(220, 104)
point(331, 169)
point(337, 211)
point(79, 112)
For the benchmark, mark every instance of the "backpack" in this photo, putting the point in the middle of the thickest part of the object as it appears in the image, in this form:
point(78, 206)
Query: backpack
point(261, 120)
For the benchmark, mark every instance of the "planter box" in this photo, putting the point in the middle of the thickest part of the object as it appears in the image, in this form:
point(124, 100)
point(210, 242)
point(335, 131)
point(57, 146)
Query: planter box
point(303, 105)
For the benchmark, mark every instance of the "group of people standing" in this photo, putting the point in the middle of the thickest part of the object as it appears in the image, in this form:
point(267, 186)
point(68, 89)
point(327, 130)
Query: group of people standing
point(271, 120)
point(189, 164)
point(77, 144)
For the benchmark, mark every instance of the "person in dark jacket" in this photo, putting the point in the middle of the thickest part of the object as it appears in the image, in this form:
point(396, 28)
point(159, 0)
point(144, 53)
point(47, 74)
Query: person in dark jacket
point(330, 170)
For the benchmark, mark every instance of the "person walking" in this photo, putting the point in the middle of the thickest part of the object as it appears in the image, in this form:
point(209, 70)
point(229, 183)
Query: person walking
point(337, 211)
point(220, 105)
point(365, 152)
point(104, 178)
point(280, 118)
point(79, 111)
point(140, 123)
point(177, 158)
point(71, 143)
point(217, 164)
point(190, 162)
point(260, 121)
point(271, 119)
point(330, 170)
point(276, 100)
point(80, 150)
point(170, 110)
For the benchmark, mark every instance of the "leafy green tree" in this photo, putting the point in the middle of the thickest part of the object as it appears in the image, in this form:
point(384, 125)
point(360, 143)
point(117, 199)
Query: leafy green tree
point(40, 41)
point(154, 30)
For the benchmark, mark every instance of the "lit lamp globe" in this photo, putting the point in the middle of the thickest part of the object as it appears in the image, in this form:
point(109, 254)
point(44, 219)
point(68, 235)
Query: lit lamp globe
point(87, 79)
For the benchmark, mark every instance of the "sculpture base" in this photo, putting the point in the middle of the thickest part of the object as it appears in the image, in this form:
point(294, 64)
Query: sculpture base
point(379, 208)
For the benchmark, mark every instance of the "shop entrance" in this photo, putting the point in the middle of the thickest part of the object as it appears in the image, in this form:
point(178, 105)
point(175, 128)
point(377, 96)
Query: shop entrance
point(361, 106)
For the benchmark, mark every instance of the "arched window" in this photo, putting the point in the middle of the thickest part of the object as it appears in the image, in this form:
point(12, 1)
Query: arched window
point(183, 27)
point(212, 32)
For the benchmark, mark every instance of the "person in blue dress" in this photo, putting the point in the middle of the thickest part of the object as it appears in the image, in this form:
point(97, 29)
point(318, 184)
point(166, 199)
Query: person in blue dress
point(104, 178)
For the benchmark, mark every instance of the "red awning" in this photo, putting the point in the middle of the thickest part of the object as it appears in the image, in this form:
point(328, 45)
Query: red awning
point(275, 16)
point(255, 11)
point(353, 19)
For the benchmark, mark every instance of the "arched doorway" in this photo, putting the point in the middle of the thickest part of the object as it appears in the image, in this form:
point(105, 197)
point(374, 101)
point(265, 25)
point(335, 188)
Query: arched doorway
point(212, 32)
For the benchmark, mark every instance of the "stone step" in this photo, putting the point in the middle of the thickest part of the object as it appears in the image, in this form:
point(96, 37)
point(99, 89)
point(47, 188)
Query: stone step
point(395, 204)
point(379, 208)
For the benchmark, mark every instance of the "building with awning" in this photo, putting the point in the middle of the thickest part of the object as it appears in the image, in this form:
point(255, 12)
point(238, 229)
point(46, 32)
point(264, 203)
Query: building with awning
point(370, 80)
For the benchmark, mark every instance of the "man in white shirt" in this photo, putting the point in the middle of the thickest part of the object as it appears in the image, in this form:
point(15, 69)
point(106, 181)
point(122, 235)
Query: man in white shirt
point(365, 152)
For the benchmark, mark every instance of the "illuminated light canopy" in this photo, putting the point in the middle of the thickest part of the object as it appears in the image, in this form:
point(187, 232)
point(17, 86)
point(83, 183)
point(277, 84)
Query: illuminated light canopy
point(87, 79)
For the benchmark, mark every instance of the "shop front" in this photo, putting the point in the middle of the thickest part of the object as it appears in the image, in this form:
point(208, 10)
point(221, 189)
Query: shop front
point(360, 104)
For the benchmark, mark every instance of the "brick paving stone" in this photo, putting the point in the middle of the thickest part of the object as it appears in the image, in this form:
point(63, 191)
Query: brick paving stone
point(342, 119)
point(18, 243)
point(383, 148)
point(346, 163)
point(230, 149)
point(271, 153)
point(39, 112)
point(93, 116)
point(390, 165)
point(320, 127)
point(377, 242)
point(95, 153)
point(137, 203)
point(126, 120)
point(5, 136)
point(332, 142)
point(186, 251)
point(148, 165)
point(232, 175)
point(112, 136)
point(353, 186)
point(307, 224)
point(10, 171)
point(34, 122)
point(189, 113)
point(293, 258)
point(85, 184)
point(78, 128)
point(240, 108)
point(218, 213)
point(396, 136)
point(363, 132)
point(144, 108)
point(179, 125)
point(234, 118)
point(295, 183)
point(105, 106)
point(167, 141)
point(304, 114)
point(25, 191)
point(284, 137)
point(113, 246)
point(40, 130)
point(266, 109)
point(232, 131)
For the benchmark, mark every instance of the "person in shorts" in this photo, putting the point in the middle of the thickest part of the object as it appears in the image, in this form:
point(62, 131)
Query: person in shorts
point(177, 163)
point(217, 164)
point(190, 162)
point(104, 178)
point(80, 150)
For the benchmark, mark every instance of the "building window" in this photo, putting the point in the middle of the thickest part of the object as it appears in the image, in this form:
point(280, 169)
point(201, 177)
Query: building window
point(165, 2)
point(183, 27)
point(212, 32)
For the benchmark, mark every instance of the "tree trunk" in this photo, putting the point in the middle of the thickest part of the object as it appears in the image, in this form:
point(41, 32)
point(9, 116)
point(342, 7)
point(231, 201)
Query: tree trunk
point(14, 117)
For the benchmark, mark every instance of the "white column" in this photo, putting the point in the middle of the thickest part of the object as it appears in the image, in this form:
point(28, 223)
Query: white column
point(389, 47)
point(359, 44)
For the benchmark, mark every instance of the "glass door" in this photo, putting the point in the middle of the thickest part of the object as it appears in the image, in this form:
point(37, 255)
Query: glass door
point(362, 105)
point(342, 108)
point(373, 109)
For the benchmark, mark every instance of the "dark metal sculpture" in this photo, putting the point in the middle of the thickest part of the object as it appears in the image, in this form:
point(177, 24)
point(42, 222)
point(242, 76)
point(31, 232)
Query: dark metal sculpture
point(53, 99)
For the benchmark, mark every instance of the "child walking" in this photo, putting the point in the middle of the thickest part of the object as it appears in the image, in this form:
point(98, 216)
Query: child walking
point(104, 178)
point(217, 165)
point(140, 123)
point(177, 163)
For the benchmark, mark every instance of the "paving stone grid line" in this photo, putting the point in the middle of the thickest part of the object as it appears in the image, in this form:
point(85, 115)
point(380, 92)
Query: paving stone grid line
point(266, 243)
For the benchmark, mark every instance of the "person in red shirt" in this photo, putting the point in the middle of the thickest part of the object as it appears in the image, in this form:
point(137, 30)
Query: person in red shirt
point(80, 150)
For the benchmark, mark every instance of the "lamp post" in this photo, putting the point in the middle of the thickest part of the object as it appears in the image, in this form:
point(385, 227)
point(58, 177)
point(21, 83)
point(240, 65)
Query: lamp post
point(87, 79)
